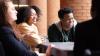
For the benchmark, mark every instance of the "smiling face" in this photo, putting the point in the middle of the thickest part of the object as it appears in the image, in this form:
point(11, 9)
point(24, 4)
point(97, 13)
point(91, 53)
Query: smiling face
point(33, 17)
point(68, 21)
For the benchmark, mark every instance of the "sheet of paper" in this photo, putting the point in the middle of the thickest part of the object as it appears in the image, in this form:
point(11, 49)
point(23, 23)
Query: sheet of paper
point(64, 45)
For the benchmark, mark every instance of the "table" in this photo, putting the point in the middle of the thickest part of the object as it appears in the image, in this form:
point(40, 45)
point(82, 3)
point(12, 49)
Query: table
point(63, 45)
point(61, 48)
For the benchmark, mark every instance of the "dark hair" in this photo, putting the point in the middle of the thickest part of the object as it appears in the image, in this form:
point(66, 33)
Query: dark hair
point(3, 11)
point(25, 12)
point(38, 11)
point(64, 11)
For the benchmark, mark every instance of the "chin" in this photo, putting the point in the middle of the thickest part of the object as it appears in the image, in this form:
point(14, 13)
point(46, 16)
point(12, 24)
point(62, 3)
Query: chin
point(14, 19)
point(70, 26)
point(34, 22)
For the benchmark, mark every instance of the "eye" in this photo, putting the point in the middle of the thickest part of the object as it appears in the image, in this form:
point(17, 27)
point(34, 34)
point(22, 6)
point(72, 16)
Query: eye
point(13, 8)
point(33, 14)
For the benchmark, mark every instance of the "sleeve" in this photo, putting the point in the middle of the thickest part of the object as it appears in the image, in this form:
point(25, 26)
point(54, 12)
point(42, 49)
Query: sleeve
point(24, 29)
point(31, 38)
point(12, 45)
point(53, 34)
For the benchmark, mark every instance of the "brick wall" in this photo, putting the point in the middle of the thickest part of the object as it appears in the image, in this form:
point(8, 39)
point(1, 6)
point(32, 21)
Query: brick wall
point(20, 1)
point(81, 8)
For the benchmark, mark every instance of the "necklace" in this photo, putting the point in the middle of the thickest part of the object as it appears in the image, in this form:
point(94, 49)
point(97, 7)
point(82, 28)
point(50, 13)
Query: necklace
point(65, 34)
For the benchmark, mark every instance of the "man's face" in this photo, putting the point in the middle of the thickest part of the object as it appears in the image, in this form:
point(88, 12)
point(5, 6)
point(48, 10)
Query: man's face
point(68, 21)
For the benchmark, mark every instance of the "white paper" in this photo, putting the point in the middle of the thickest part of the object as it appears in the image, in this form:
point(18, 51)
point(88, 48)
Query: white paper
point(64, 45)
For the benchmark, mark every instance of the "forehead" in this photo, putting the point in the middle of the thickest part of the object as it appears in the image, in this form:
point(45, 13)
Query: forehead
point(68, 17)
point(70, 14)
point(33, 11)
point(9, 4)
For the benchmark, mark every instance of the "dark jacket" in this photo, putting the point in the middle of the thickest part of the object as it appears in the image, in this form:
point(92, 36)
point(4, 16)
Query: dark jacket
point(2, 52)
point(12, 46)
point(55, 35)
point(87, 36)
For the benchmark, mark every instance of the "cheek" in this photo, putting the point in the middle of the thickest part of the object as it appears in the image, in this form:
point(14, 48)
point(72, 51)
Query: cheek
point(12, 15)
point(34, 19)
point(70, 23)
point(30, 20)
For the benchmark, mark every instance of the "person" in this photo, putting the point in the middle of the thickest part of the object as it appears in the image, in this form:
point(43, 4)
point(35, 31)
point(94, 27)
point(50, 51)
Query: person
point(11, 44)
point(2, 52)
point(27, 18)
point(87, 34)
point(63, 30)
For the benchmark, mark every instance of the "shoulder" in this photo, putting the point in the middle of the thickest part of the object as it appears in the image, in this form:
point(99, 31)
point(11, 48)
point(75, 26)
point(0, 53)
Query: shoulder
point(84, 24)
point(52, 27)
point(84, 27)
point(5, 29)
point(22, 24)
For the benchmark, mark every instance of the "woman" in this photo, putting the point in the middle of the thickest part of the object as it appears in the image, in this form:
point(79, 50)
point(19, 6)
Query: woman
point(27, 18)
point(12, 45)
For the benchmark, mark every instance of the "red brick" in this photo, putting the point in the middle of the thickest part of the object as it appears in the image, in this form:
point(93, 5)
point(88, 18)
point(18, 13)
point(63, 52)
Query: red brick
point(81, 8)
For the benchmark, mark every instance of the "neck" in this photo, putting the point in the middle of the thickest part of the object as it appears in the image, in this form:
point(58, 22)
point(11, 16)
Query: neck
point(10, 23)
point(64, 27)
point(29, 24)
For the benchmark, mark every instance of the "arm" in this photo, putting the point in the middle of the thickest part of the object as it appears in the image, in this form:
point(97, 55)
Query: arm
point(31, 37)
point(54, 34)
point(12, 45)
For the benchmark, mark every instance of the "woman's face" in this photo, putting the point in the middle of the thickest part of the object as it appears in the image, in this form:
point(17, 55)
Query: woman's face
point(11, 14)
point(33, 17)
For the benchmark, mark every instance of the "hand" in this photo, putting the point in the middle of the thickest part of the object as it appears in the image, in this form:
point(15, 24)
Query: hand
point(48, 51)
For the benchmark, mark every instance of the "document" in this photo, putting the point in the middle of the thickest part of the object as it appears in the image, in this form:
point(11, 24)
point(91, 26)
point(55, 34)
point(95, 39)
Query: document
point(64, 45)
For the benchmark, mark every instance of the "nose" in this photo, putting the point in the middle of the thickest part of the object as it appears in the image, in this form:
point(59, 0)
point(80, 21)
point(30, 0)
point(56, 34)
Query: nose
point(16, 12)
point(36, 16)
point(71, 20)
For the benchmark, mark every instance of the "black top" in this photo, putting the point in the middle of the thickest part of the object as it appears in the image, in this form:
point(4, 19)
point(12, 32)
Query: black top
point(55, 35)
point(87, 36)
point(12, 46)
